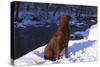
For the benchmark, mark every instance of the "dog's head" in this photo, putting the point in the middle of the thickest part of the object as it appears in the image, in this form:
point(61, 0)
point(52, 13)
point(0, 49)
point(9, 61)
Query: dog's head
point(64, 19)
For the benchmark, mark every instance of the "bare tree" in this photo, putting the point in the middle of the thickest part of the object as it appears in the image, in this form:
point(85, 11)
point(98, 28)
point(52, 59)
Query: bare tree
point(17, 9)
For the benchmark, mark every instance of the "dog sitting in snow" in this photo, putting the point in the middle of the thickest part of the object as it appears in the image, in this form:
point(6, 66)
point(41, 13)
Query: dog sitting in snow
point(59, 40)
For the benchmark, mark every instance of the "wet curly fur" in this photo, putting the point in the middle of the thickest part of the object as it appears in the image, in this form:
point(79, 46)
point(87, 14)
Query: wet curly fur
point(59, 40)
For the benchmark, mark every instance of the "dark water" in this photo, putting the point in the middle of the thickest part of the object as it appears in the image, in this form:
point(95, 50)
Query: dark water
point(27, 40)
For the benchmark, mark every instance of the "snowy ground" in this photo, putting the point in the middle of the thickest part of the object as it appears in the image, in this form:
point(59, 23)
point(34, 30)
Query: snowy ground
point(84, 50)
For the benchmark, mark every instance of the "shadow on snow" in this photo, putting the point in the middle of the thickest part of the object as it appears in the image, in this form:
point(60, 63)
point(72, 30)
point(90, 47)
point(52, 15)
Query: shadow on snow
point(72, 49)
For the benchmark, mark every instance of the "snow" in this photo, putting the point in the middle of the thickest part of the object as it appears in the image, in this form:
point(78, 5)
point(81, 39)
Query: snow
point(84, 50)
point(93, 33)
point(82, 33)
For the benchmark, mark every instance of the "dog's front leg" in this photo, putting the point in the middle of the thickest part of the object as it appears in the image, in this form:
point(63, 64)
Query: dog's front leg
point(66, 50)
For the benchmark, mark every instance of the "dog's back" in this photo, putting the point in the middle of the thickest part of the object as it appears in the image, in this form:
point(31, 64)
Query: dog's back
point(52, 45)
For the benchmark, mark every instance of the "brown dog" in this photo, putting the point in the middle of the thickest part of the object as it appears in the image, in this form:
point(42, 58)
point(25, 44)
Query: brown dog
point(59, 40)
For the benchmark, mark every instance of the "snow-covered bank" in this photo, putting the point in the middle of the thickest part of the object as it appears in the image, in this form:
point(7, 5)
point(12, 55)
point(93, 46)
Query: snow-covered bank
point(79, 51)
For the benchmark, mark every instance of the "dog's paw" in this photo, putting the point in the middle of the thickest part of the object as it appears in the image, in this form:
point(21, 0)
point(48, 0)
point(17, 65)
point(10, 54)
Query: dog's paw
point(66, 56)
